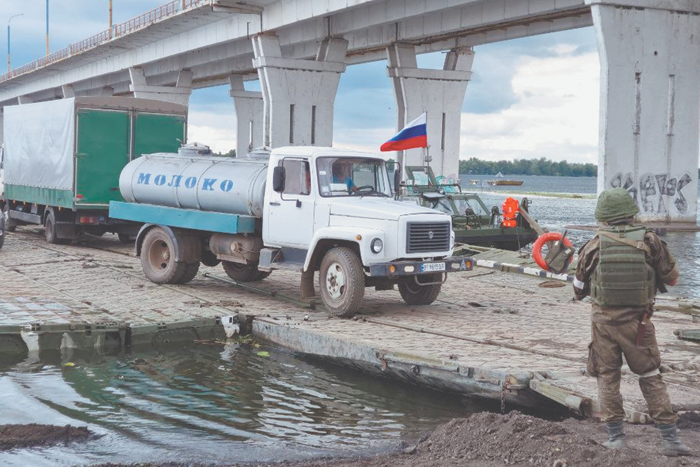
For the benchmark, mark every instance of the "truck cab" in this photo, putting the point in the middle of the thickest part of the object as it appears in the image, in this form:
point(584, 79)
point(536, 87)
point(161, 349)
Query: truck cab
point(323, 200)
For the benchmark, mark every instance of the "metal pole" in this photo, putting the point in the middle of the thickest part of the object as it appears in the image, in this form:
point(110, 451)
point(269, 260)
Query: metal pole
point(8, 40)
point(47, 28)
point(110, 17)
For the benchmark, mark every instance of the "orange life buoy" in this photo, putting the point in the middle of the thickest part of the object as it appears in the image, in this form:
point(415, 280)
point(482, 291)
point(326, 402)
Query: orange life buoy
point(541, 240)
point(510, 210)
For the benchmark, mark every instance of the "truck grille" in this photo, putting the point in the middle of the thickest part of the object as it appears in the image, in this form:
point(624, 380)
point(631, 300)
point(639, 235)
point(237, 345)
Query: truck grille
point(427, 236)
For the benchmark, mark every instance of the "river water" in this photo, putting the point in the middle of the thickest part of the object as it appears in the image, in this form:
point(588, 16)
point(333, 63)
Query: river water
point(213, 404)
point(561, 201)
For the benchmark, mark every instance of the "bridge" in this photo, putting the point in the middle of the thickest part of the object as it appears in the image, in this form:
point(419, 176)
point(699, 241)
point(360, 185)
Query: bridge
point(297, 49)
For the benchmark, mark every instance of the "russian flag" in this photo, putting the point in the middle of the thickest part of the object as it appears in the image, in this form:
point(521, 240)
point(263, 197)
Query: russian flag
point(414, 135)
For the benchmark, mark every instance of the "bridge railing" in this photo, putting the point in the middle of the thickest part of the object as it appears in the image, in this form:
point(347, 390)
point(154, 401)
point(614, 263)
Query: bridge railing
point(156, 15)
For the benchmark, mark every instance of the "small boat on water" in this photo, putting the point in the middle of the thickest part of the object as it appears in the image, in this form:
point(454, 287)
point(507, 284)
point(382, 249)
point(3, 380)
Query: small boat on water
point(499, 180)
point(472, 221)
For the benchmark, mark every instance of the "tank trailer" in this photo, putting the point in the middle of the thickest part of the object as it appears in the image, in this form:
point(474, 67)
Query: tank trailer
point(306, 209)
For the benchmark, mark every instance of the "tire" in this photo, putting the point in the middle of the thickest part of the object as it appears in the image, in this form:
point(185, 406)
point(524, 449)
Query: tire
point(10, 224)
point(209, 259)
point(50, 230)
point(342, 282)
point(243, 272)
point(414, 294)
point(190, 273)
point(158, 258)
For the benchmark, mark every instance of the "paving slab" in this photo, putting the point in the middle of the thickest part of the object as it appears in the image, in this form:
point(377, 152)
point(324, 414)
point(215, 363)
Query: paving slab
point(500, 335)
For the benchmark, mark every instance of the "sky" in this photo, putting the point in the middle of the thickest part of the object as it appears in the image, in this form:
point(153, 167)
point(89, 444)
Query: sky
point(528, 98)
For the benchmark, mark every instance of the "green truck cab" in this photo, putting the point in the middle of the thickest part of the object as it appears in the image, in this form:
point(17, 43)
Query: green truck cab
point(473, 223)
point(62, 159)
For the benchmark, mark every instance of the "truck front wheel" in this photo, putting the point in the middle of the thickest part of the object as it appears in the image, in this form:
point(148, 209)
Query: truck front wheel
point(342, 282)
point(243, 272)
point(158, 258)
point(414, 294)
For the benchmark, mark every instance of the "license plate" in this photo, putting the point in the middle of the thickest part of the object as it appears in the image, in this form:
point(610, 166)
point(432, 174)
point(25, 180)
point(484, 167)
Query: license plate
point(432, 267)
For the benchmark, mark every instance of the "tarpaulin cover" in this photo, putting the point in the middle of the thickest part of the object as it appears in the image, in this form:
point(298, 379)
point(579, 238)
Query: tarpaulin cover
point(39, 143)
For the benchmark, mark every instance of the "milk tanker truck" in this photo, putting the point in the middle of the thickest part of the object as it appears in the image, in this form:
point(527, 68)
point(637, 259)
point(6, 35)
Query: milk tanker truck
point(291, 208)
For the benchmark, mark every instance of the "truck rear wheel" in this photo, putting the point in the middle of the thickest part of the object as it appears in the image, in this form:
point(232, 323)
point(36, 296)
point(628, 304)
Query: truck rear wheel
point(414, 294)
point(190, 273)
point(50, 230)
point(158, 258)
point(243, 272)
point(342, 282)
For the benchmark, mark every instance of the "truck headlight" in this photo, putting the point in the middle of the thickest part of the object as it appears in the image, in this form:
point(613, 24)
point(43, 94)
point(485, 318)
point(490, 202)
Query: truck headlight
point(377, 245)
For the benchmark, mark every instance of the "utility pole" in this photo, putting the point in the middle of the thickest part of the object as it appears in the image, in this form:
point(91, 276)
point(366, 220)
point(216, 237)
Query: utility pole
point(47, 28)
point(8, 40)
point(110, 19)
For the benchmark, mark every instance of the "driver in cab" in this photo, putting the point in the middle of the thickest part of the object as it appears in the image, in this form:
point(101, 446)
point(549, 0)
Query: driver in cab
point(341, 174)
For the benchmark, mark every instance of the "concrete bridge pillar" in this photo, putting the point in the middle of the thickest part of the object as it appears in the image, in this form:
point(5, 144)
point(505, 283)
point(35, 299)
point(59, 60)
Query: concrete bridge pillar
point(440, 93)
point(650, 103)
point(249, 113)
point(298, 94)
point(179, 94)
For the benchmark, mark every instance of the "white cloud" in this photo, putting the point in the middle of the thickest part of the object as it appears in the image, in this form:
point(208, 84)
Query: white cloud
point(555, 114)
point(215, 128)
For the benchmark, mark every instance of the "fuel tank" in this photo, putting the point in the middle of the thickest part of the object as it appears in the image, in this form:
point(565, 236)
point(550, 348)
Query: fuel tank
point(206, 183)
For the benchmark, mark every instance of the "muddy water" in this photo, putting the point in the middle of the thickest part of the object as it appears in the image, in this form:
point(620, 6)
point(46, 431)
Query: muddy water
point(211, 404)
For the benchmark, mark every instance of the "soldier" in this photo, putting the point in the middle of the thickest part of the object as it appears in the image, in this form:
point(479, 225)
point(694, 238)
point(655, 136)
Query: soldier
point(621, 269)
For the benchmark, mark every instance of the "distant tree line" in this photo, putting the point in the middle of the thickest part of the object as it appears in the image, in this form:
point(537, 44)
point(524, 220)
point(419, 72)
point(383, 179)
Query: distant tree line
point(231, 153)
point(540, 166)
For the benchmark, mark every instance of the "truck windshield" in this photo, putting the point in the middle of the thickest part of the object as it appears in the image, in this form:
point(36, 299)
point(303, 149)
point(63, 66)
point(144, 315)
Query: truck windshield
point(345, 176)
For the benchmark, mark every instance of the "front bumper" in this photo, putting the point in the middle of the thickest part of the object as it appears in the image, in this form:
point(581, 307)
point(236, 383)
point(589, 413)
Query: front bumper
point(414, 268)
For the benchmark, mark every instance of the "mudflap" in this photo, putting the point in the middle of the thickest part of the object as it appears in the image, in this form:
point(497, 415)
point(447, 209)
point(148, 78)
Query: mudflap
point(307, 284)
point(66, 230)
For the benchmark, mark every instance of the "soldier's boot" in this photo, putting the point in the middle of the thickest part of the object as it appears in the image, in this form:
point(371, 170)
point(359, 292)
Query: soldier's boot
point(671, 445)
point(616, 436)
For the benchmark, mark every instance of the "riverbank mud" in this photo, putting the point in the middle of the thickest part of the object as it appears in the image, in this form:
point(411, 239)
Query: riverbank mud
point(489, 440)
point(34, 435)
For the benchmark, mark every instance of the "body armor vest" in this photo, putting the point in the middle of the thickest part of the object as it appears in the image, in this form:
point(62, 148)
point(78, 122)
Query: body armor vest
point(623, 277)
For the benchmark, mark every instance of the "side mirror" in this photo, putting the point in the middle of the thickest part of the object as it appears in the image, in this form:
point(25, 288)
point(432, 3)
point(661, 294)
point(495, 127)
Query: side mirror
point(397, 180)
point(278, 176)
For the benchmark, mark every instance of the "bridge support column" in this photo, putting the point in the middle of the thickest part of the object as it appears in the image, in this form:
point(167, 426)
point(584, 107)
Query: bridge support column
point(440, 93)
point(249, 113)
point(179, 94)
point(298, 94)
point(650, 104)
point(67, 91)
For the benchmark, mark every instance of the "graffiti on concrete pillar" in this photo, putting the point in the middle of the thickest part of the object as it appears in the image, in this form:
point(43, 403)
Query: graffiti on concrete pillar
point(654, 191)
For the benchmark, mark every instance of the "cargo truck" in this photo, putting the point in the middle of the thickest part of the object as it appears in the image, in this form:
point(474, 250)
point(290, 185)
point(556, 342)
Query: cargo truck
point(306, 209)
point(62, 160)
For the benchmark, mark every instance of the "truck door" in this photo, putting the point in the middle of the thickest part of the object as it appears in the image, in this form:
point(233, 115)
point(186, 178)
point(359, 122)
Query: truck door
point(290, 215)
point(102, 152)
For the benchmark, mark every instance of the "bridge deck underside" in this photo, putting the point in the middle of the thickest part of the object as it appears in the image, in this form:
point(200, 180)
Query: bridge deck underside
point(215, 43)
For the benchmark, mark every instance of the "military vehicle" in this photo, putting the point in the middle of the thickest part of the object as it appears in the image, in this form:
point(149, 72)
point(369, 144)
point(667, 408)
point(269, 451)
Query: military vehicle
point(472, 222)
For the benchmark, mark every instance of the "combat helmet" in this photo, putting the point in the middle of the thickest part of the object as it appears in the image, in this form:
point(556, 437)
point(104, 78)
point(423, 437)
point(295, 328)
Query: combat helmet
point(614, 205)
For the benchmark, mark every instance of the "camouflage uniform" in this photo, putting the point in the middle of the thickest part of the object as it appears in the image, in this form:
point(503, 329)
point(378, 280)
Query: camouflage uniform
point(614, 333)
